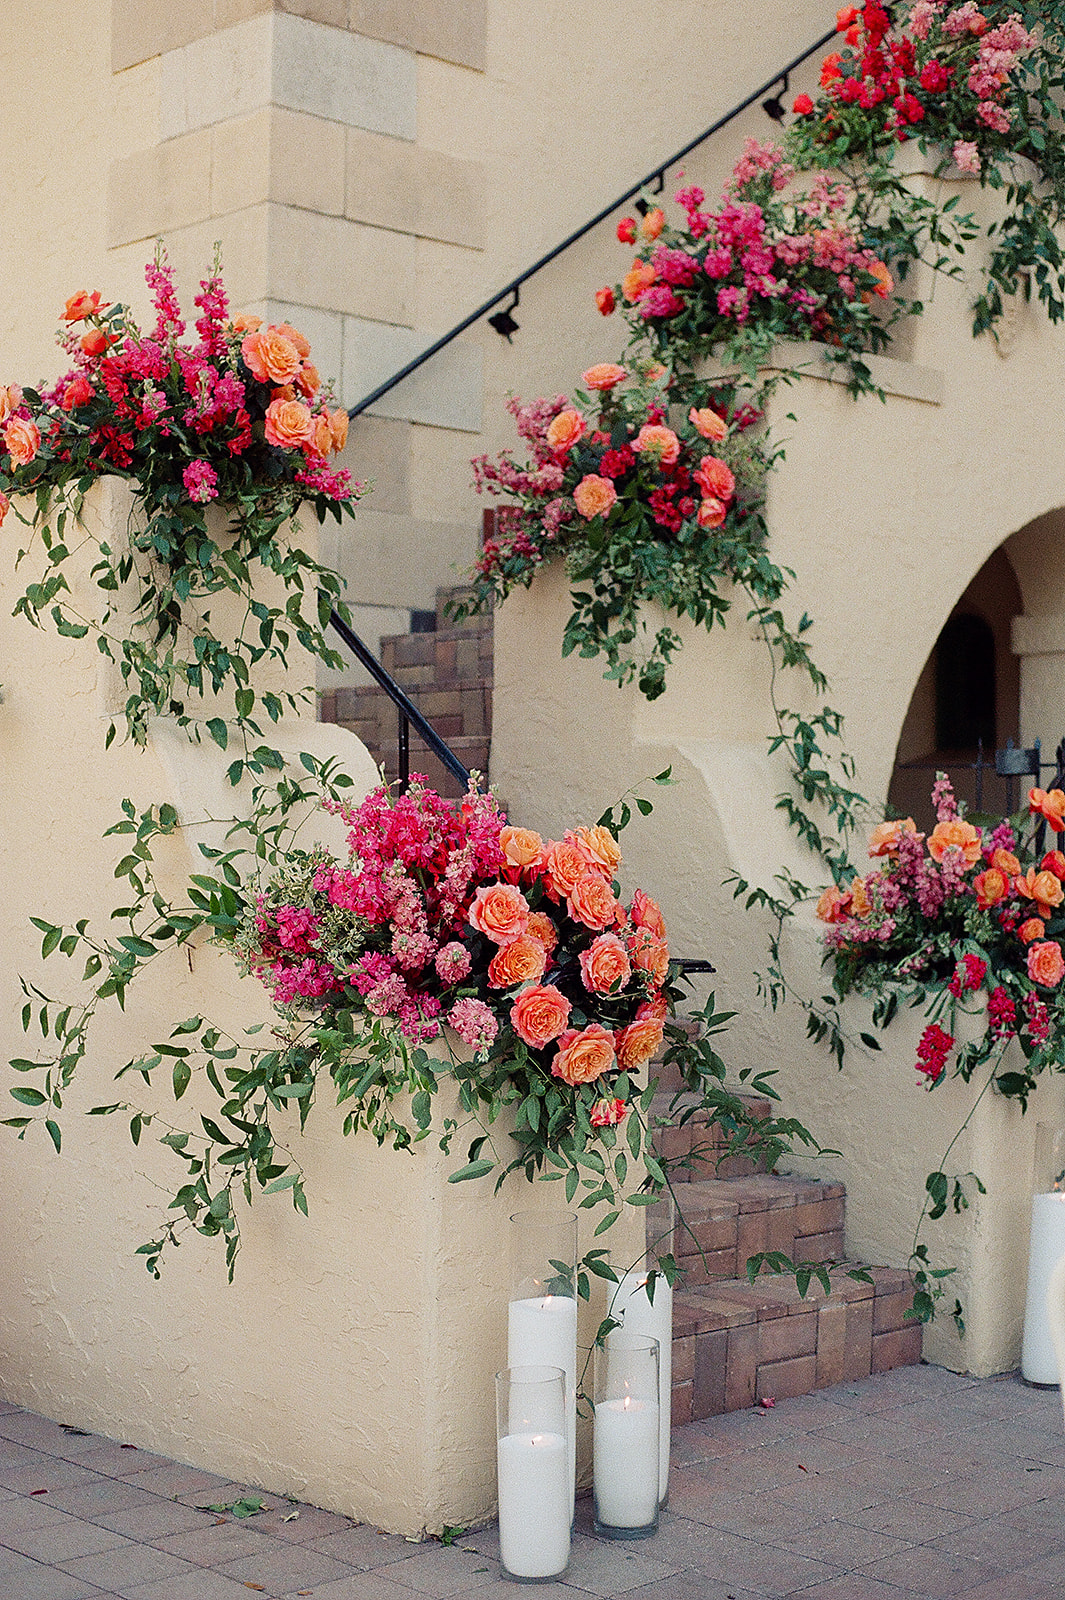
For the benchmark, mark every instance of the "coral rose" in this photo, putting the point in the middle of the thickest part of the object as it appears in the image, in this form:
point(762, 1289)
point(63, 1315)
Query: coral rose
point(541, 927)
point(499, 911)
point(564, 863)
point(76, 392)
point(321, 440)
point(708, 423)
point(10, 400)
point(605, 965)
point(607, 375)
point(638, 280)
point(653, 223)
point(649, 955)
point(22, 439)
point(594, 496)
point(95, 342)
point(861, 905)
point(539, 1014)
point(1042, 887)
point(604, 299)
point(1049, 804)
point(522, 848)
point(338, 428)
point(711, 513)
point(270, 356)
point(955, 835)
point(990, 887)
point(884, 281)
point(246, 322)
point(307, 380)
point(658, 1009)
point(82, 305)
point(626, 230)
point(1053, 861)
point(638, 1043)
point(715, 479)
point(884, 839)
point(607, 1113)
point(1046, 965)
point(1007, 862)
point(591, 901)
point(583, 1055)
point(601, 848)
point(294, 337)
point(521, 961)
point(5, 506)
point(661, 444)
point(834, 904)
point(644, 913)
point(289, 424)
point(564, 430)
point(1030, 931)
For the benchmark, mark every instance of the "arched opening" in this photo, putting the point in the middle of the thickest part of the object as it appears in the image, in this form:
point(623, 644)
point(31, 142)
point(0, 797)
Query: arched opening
point(966, 703)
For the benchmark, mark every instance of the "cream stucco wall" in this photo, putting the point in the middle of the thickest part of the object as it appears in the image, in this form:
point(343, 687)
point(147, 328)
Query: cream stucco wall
point(885, 511)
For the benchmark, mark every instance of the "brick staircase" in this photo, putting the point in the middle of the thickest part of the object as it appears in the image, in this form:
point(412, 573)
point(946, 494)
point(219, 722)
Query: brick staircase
point(447, 672)
point(735, 1343)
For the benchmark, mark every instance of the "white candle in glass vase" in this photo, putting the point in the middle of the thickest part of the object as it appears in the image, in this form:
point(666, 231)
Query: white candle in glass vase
point(625, 1462)
point(637, 1313)
point(534, 1504)
point(1038, 1362)
point(543, 1332)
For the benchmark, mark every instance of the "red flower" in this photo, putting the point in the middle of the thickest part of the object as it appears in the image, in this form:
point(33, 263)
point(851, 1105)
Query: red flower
point(604, 299)
point(935, 76)
point(932, 1051)
point(802, 105)
point(95, 342)
point(627, 230)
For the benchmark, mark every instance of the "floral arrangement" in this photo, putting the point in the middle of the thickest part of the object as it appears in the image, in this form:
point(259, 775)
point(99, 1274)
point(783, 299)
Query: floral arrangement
point(981, 86)
point(237, 416)
point(766, 265)
point(615, 488)
point(969, 915)
point(450, 916)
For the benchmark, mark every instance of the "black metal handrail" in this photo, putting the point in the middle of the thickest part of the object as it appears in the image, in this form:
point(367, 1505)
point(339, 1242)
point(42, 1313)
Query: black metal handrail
point(656, 176)
point(409, 715)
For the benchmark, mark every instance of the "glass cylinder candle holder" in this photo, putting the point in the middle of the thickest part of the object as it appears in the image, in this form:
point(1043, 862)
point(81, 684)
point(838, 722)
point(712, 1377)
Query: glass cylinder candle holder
point(643, 1303)
point(625, 1471)
point(1047, 1246)
point(532, 1460)
point(542, 1316)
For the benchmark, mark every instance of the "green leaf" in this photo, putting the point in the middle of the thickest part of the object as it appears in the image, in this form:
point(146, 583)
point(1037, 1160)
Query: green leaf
point(473, 1169)
point(27, 1097)
point(216, 727)
point(182, 1078)
point(54, 1134)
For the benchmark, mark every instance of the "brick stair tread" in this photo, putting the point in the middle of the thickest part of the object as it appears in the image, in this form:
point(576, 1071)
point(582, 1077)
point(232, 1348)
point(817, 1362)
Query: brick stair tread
point(371, 693)
point(761, 1191)
point(730, 1302)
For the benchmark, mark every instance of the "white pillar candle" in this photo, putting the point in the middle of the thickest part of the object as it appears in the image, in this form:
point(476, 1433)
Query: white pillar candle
point(625, 1462)
point(1038, 1362)
point(534, 1504)
point(543, 1332)
point(639, 1314)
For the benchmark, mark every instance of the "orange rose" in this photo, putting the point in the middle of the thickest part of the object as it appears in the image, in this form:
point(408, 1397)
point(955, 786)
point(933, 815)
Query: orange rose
point(601, 848)
point(715, 479)
point(521, 961)
point(539, 1014)
point(955, 835)
point(607, 1113)
point(638, 280)
point(500, 912)
point(564, 430)
point(585, 1055)
point(990, 887)
point(82, 305)
point(294, 338)
point(564, 863)
point(884, 839)
point(76, 392)
point(883, 285)
point(270, 356)
point(289, 424)
point(246, 322)
point(1053, 861)
point(644, 913)
point(707, 422)
point(834, 904)
point(604, 299)
point(521, 847)
point(5, 506)
point(1049, 804)
point(338, 427)
point(661, 444)
point(649, 955)
point(95, 342)
point(711, 513)
point(653, 223)
point(656, 1009)
point(307, 380)
point(23, 440)
point(321, 435)
point(861, 905)
point(1007, 862)
point(637, 1043)
point(1042, 887)
point(541, 927)
point(591, 901)
point(10, 400)
point(594, 496)
point(607, 375)
point(1031, 930)
point(1045, 964)
point(605, 966)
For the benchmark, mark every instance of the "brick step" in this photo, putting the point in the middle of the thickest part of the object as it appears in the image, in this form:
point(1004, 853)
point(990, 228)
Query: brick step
point(736, 1343)
point(701, 1148)
point(451, 654)
point(725, 1221)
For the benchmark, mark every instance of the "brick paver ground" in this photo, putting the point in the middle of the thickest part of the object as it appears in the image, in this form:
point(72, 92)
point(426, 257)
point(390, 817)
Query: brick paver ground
point(917, 1483)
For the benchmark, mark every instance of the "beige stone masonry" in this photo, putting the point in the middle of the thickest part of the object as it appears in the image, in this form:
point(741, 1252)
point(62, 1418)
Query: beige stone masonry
point(341, 265)
point(394, 184)
point(453, 30)
point(307, 156)
point(158, 190)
